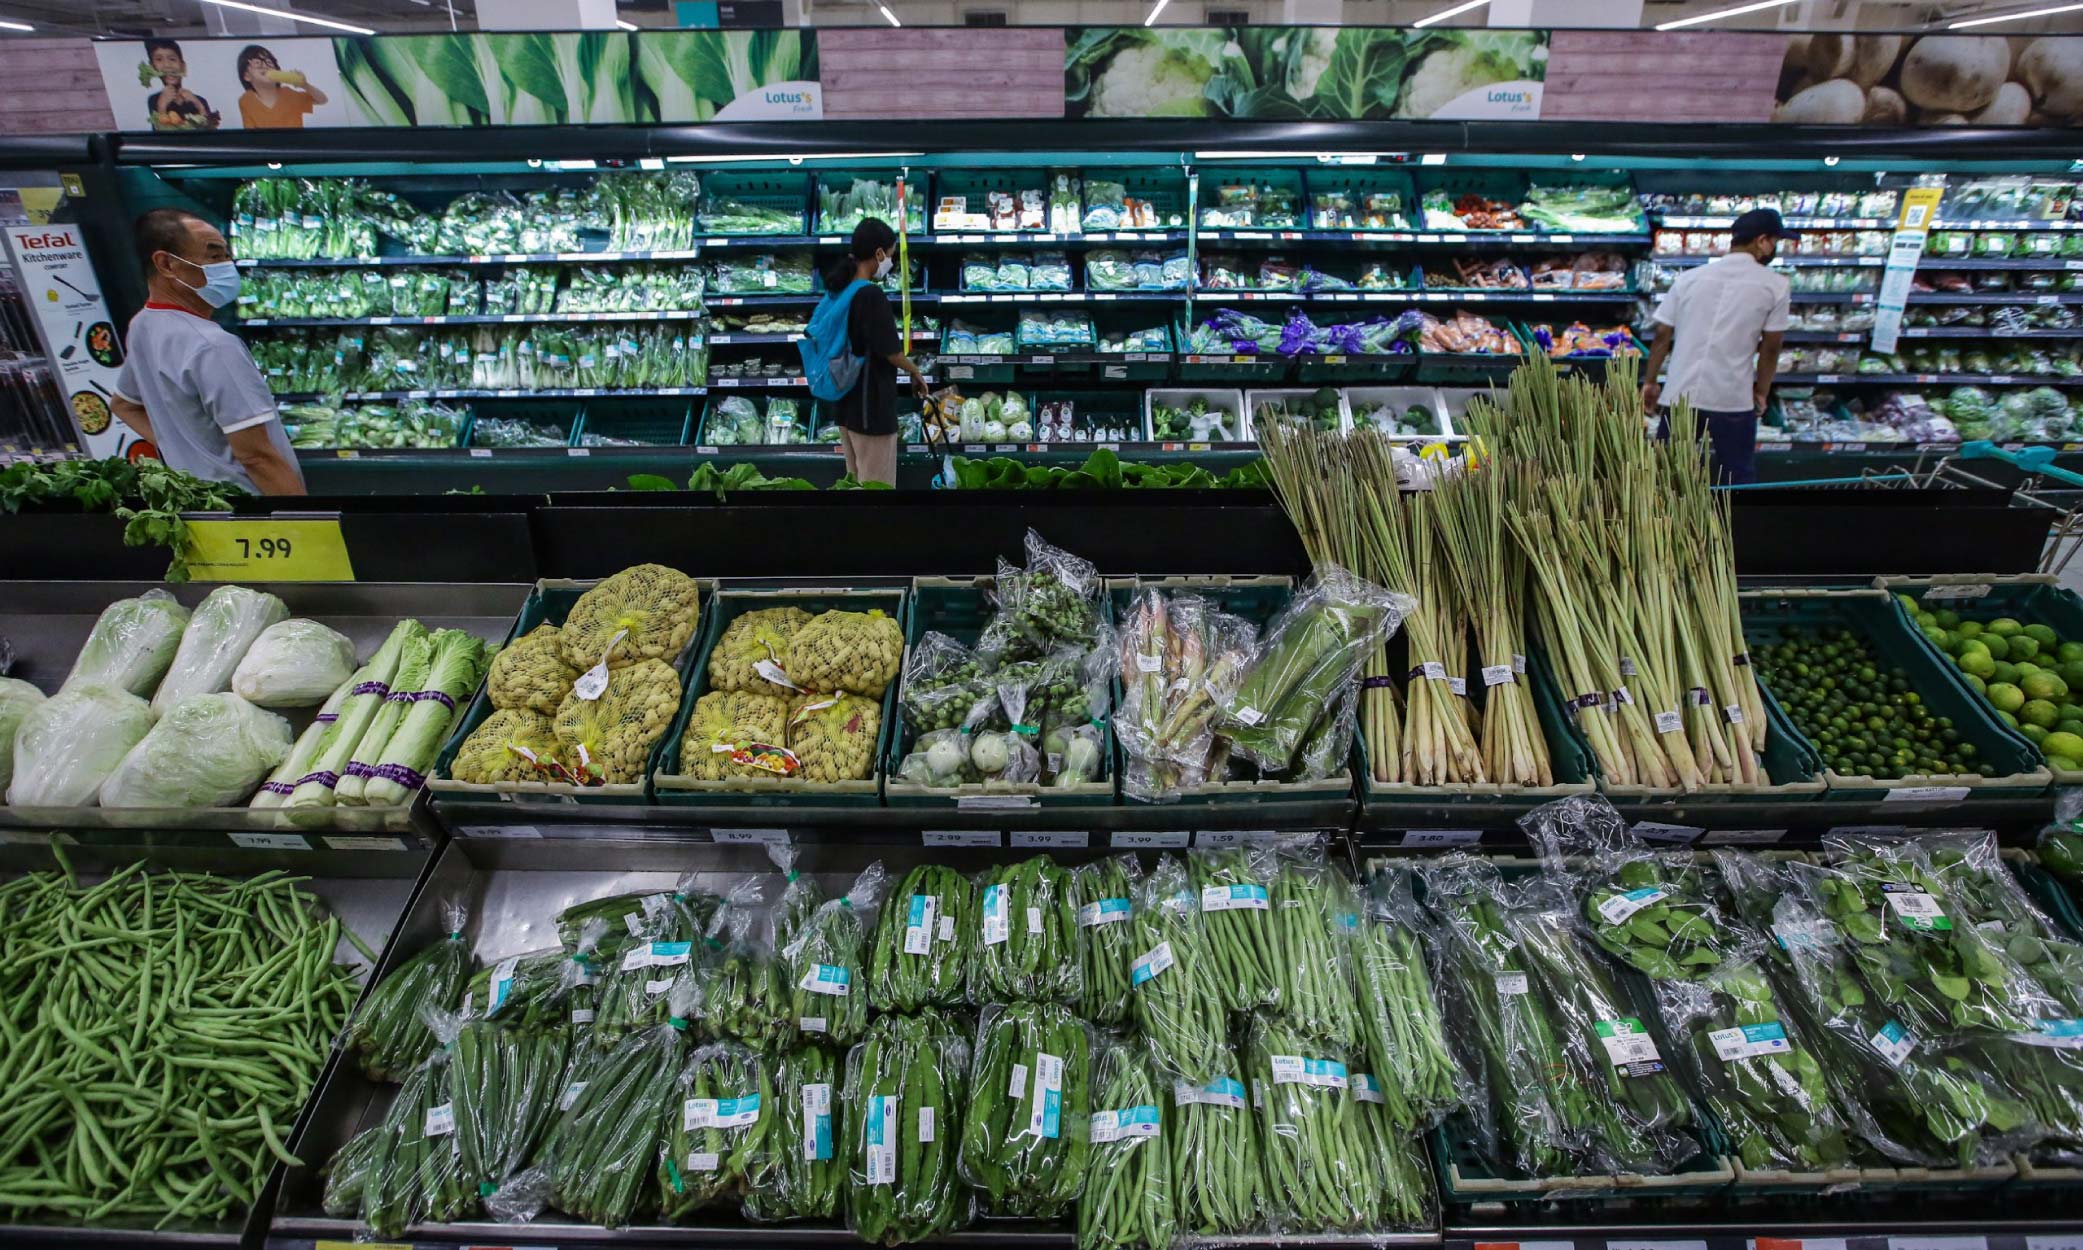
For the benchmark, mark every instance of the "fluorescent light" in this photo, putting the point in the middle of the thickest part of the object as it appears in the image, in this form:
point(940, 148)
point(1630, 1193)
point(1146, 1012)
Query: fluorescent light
point(650, 162)
point(2012, 17)
point(888, 16)
point(1718, 14)
point(23, 26)
point(1433, 158)
point(1151, 20)
point(1456, 11)
point(627, 25)
point(294, 17)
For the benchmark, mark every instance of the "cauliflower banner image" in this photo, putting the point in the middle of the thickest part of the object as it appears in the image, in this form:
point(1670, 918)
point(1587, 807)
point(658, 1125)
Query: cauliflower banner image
point(1274, 73)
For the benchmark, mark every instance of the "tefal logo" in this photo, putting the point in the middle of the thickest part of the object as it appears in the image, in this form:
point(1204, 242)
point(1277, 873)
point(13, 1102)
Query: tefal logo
point(43, 242)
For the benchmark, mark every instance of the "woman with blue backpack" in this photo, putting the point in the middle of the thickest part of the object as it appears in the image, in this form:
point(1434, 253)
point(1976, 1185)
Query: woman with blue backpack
point(851, 355)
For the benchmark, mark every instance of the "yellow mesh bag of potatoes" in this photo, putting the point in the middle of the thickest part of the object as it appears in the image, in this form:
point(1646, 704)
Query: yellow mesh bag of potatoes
point(652, 607)
point(857, 652)
point(497, 751)
point(609, 739)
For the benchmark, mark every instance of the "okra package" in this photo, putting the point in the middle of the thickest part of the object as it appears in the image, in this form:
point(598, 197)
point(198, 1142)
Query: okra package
point(1233, 889)
point(920, 954)
point(602, 1154)
point(660, 953)
point(717, 1129)
point(1318, 1176)
point(1025, 1135)
point(806, 1162)
point(742, 995)
point(1103, 892)
point(1024, 943)
point(1402, 1035)
point(388, 1035)
point(1211, 1136)
point(504, 1084)
point(1315, 912)
point(1128, 1200)
point(346, 1174)
point(906, 1086)
point(1180, 1007)
point(415, 1167)
point(824, 966)
point(625, 915)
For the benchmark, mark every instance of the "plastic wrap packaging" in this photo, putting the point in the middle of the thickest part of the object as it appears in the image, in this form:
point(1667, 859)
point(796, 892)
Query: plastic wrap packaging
point(1127, 1203)
point(1520, 1124)
point(1178, 1000)
point(1910, 1097)
point(219, 632)
point(504, 1085)
point(17, 699)
point(70, 743)
point(132, 643)
point(1103, 892)
point(1317, 1174)
point(1942, 974)
point(907, 1084)
point(801, 896)
point(1024, 689)
point(415, 1168)
point(1634, 1105)
point(1402, 1033)
point(1311, 652)
point(1211, 1134)
point(209, 750)
point(1315, 912)
point(1052, 602)
point(920, 954)
point(1233, 889)
point(1974, 875)
point(1757, 1069)
point(743, 997)
point(282, 782)
point(638, 976)
point(603, 1151)
point(578, 978)
point(1329, 742)
point(824, 966)
point(1026, 1130)
point(389, 1035)
point(346, 1175)
point(944, 686)
point(293, 663)
point(1179, 659)
point(804, 1168)
point(524, 992)
point(1025, 936)
point(1404, 1200)
point(1653, 909)
point(718, 1127)
point(625, 915)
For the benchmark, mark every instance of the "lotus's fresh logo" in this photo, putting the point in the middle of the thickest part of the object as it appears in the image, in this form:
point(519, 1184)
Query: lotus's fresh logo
point(794, 100)
point(1508, 97)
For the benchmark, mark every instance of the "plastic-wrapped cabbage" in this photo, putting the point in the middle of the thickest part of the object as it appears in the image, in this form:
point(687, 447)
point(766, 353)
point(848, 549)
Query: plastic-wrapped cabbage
point(68, 744)
point(1970, 408)
point(217, 638)
point(295, 663)
point(211, 750)
point(17, 699)
point(131, 644)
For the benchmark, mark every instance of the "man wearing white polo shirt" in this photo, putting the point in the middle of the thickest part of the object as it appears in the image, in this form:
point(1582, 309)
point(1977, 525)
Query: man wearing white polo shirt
point(188, 385)
point(1720, 327)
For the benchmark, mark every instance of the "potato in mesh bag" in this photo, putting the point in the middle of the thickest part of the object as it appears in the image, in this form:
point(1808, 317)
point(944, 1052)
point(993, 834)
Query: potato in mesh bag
point(609, 739)
point(654, 604)
point(834, 736)
point(493, 753)
point(750, 640)
point(858, 652)
point(531, 673)
point(728, 719)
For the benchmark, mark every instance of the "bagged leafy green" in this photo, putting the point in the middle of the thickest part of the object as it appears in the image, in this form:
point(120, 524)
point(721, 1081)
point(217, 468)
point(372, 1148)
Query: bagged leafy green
point(132, 643)
point(222, 627)
point(208, 750)
point(1310, 653)
point(17, 699)
point(67, 745)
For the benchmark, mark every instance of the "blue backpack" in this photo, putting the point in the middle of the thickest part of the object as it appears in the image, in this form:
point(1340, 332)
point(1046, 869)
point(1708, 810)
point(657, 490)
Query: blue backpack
point(830, 368)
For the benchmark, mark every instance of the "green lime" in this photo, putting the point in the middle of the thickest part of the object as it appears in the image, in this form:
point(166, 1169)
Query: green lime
point(2042, 634)
point(2005, 671)
point(2007, 719)
point(2005, 626)
point(2064, 764)
point(2024, 647)
point(1977, 664)
point(1970, 629)
point(2034, 732)
point(1971, 643)
point(1948, 619)
point(1980, 687)
point(2043, 685)
point(1999, 646)
point(2070, 725)
point(2006, 697)
point(2065, 743)
point(2069, 652)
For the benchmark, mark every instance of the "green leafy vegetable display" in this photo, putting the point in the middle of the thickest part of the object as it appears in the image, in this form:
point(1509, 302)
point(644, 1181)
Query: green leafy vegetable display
point(1025, 1132)
point(145, 495)
point(1102, 470)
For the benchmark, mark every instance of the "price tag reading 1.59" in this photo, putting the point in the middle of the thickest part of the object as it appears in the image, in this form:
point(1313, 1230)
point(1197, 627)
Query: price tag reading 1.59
point(267, 549)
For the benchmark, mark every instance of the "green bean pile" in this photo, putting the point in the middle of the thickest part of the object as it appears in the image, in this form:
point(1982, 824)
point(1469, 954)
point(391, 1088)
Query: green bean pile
point(159, 1033)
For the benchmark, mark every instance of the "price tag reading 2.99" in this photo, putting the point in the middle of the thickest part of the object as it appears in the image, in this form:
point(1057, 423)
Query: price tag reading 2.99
point(267, 549)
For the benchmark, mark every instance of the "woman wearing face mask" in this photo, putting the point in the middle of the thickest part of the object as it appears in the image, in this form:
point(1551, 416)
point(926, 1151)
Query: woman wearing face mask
point(867, 414)
point(188, 385)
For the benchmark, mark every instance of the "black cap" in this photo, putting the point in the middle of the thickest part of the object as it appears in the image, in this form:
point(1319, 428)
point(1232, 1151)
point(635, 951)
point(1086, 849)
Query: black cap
point(1757, 223)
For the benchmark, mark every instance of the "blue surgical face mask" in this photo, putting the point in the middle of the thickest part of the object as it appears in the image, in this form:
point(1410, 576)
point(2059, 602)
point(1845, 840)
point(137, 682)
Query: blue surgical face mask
point(220, 281)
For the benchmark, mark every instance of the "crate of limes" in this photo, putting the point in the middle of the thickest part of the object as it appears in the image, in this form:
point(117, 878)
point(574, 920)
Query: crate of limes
point(2018, 643)
point(1887, 711)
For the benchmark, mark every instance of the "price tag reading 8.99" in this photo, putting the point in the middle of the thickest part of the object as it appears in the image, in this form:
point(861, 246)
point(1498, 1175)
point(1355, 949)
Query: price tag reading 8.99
point(267, 549)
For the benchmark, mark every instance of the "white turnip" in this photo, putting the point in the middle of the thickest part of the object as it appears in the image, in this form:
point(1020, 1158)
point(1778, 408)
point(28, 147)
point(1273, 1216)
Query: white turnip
point(1955, 73)
point(2052, 69)
point(1838, 102)
point(1872, 57)
point(1828, 56)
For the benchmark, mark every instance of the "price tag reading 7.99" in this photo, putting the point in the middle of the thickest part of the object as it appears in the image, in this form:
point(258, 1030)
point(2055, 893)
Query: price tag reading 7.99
point(267, 549)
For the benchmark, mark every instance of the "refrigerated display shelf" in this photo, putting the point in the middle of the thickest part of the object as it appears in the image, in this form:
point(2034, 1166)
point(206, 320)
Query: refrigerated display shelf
point(496, 258)
point(470, 319)
point(1931, 261)
point(581, 392)
point(1425, 238)
point(1810, 261)
point(1683, 222)
point(1925, 379)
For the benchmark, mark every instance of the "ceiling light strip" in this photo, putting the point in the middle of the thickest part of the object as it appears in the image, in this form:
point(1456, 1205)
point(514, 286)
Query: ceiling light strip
point(294, 17)
point(1456, 11)
point(2013, 17)
point(1718, 14)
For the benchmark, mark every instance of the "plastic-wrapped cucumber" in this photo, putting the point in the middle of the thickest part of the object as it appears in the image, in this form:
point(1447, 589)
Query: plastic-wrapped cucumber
point(415, 1172)
point(1025, 940)
point(1211, 1136)
point(1179, 1006)
point(1233, 890)
point(805, 1166)
point(504, 1083)
point(1314, 913)
point(1024, 1136)
point(1103, 892)
point(906, 1085)
point(388, 1035)
point(717, 1128)
point(824, 965)
point(1402, 1033)
point(919, 957)
point(1127, 1203)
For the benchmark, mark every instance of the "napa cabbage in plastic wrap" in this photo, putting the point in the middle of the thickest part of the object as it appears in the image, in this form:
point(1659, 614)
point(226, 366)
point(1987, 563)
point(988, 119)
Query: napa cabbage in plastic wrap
point(68, 744)
point(210, 750)
point(17, 700)
point(296, 663)
point(131, 643)
point(223, 627)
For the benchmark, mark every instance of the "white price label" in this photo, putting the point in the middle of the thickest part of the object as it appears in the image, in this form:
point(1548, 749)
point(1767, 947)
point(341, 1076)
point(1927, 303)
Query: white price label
point(925, 1124)
point(918, 923)
point(271, 841)
point(1619, 907)
point(1150, 963)
point(759, 837)
point(1657, 831)
point(998, 915)
point(1165, 841)
point(1510, 983)
point(1441, 837)
point(441, 1121)
point(1629, 1048)
point(1894, 1042)
point(1749, 1041)
point(1050, 839)
point(1926, 794)
point(961, 837)
point(1498, 675)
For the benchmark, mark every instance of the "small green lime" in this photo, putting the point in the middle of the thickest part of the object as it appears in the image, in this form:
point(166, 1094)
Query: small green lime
point(2042, 634)
point(2062, 742)
point(1999, 646)
point(2024, 647)
point(2005, 672)
point(2039, 712)
point(2034, 732)
point(1948, 619)
point(1980, 687)
point(2063, 764)
point(2069, 652)
point(1971, 629)
point(2007, 719)
point(2043, 685)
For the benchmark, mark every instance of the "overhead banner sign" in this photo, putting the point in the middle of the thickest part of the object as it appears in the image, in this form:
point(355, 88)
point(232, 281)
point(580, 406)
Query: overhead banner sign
point(58, 284)
point(522, 79)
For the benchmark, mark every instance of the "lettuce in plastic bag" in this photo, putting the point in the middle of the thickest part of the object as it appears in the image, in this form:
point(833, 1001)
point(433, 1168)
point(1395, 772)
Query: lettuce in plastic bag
point(294, 663)
point(211, 750)
point(218, 635)
point(131, 644)
point(68, 744)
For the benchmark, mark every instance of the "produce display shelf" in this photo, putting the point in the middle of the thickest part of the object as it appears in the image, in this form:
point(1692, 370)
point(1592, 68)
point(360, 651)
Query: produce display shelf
point(472, 319)
point(1053, 297)
point(747, 384)
point(734, 339)
point(581, 392)
point(1822, 297)
point(2031, 262)
point(2006, 225)
point(503, 258)
point(1434, 296)
point(754, 301)
point(1927, 379)
point(1682, 262)
point(1424, 238)
point(1983, 332)
point(1059, 358)
point(1683, 222)
point(1097, 238)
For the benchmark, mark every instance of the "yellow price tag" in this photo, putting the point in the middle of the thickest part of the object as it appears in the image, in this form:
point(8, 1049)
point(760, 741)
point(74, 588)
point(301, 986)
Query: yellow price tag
point(268, 549)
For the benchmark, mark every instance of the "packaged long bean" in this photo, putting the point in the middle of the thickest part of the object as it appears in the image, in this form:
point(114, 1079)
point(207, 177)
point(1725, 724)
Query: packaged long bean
point(1403, 1037)
point(1025, 1132)
point(806, 1163)
point(1318, 1175)
point(920, 953)
point(1315, 912)
point(1179, 1003)
point(1103, 892)
point(1024, 943)
point(1233, 888)
point(1211, 1136)
point(1404, 1198)
point(1128, 1200)
point(388, 1035)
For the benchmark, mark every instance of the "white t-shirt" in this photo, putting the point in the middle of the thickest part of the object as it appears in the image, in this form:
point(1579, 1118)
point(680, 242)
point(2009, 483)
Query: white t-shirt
point(1716, 313)
point(198, 385)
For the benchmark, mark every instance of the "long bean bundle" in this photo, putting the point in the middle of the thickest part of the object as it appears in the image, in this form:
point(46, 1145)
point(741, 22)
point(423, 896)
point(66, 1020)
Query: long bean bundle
point(805, 1165)
point(388, 1035)
point(717, 1128)
point(1217, 1186)
point(1403, 1185)
point(1026, 935)
point(918, 957)
point(1318, 1175)
point(906, 1083)
point(1127, 1204)
point(1401, 1031)
point(1314, 911)
point(1103, 892)
point(1024, 1135)
point(1233, 890)
point(1179, 1003)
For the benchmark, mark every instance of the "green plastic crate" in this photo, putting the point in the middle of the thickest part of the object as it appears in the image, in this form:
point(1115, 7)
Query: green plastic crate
point(788, 192)
point(1357, 181)
point(652, 422)
point(957, 607)
point(1591, 366)
point(1502, 186)
point(975, 187)
point(1164, 190)
point(1873, 616)
point(1568, 758)
point(551, 601)
point(1790, 763)
point(673, 789)
point(1215, 177)
point(1467, 369)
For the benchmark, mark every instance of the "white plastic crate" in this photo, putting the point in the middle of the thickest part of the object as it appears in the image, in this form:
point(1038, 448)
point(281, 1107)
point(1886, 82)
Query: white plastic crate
point(1228, 400)
point(1456, 400)
point(1360, 400)
point(1253, 398)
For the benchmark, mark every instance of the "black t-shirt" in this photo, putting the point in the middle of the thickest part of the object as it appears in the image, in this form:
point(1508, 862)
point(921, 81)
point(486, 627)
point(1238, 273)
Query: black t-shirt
point(871, 330)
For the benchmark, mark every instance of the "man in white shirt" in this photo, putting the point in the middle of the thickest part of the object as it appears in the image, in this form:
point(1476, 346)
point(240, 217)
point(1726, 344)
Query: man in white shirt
point(1720, 327)
point(188, 385)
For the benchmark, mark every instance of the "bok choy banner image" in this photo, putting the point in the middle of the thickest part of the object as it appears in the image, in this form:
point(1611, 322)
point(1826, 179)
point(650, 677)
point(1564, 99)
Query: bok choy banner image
point(1327, 73)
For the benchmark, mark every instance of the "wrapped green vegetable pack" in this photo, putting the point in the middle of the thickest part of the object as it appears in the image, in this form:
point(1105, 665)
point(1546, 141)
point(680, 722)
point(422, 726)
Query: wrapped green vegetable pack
point(805, 1166)
point(919, 956)
point(1974, 875)
point(1025, 943)
point(1315, 912)
point(1103, 892)
point(1402, 1187)
point(603, 1151)
point(1310, 654)
point(641, 974)
point(1233, 890)
point(824, 964)
point(741, 991)
point(718, 1124)
point(1127, 1204)
point(1218, 1187)
point(906, 1085)
point(1318, 1175)
point(1180, 1008)
point(504, 1086)
point(415, 1167)
point(1402, 1034)
point(1025, 1133)
point(388, 1035)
